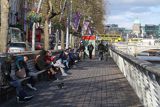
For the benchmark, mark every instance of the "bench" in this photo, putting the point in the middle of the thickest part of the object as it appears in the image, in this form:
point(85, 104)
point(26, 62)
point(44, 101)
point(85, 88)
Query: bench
point(34, 72)
point(8, 91)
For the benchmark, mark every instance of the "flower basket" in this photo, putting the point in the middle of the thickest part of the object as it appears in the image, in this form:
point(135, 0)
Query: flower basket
point(34, 17)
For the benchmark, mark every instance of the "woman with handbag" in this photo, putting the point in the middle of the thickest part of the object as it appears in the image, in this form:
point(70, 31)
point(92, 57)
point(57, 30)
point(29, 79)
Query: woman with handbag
point(13, 81)
point(23, 71)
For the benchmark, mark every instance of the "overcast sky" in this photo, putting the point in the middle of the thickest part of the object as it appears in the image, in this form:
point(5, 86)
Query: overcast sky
point(124, 12)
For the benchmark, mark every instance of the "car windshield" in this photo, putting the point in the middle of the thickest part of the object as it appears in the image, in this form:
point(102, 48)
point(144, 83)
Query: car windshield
point(18, 45)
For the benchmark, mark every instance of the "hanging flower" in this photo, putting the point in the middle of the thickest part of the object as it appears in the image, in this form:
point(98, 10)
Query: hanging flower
point(34, 17)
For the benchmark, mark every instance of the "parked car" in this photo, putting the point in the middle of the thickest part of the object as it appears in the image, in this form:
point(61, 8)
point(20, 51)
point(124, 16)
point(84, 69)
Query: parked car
point(18, 47)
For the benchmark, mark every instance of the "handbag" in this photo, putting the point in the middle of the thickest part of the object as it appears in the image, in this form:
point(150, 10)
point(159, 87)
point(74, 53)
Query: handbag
point(21, 73)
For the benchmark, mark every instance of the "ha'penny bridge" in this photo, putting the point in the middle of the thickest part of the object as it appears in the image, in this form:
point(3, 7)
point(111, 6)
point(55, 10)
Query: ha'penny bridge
point(122, 81)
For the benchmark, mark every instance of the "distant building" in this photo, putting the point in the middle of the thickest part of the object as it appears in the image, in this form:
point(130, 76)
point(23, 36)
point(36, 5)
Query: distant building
point(143, 33)
point(158, 31)
point(136, 28)
point(114, 29)
point(111, 28)
point(152, 30)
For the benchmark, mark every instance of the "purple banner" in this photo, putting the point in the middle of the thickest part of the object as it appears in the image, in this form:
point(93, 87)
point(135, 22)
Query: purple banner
point(85, 26)
point(76, 21)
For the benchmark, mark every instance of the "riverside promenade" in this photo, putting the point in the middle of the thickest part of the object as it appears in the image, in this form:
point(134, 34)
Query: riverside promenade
point(91, 83)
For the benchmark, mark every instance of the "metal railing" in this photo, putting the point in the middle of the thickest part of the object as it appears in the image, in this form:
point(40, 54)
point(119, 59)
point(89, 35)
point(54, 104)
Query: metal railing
point(143, 76)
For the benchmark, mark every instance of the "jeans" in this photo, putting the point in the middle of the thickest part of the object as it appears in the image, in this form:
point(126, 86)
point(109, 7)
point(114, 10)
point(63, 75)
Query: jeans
point(82, 55)
point(66, 63)
point(100, 55)
point(19, 90)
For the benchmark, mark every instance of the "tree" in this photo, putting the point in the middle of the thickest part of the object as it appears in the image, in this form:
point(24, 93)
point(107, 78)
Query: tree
point(4, 24)
point(93, 9)
point(51, 9)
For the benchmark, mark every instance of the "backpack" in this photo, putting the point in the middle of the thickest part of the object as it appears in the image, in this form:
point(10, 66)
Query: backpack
point(101, 47)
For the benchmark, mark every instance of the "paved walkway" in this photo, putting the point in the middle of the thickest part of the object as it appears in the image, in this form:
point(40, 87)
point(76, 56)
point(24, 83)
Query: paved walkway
point(92, 83)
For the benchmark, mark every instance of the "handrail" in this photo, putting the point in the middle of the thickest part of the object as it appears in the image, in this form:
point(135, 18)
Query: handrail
point(143, 76)
point(138, 62)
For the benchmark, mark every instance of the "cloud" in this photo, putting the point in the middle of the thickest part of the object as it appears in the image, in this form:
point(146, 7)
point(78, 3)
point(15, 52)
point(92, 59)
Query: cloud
point(135, 2)
point(124, 12)
point(139, 9)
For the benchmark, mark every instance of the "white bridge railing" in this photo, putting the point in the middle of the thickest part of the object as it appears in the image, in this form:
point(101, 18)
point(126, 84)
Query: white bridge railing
point(143, 76)
point(134, 49)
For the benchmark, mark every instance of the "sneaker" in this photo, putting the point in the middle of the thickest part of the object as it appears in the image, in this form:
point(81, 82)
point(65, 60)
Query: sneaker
point(19, 100)
point(64, 74)
point(31, 87)
point(25, 99)
point(28, 97)
point(60, 86)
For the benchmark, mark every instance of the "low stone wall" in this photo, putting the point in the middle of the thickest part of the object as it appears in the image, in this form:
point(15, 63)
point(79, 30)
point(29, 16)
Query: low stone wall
point(143, 76)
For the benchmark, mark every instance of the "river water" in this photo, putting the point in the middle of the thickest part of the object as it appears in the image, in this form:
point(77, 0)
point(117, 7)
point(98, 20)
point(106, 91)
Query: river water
point(153, 60)
point(156, 63)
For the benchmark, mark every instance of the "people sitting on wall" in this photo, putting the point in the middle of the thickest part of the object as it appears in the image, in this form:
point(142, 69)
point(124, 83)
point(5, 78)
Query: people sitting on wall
point(63, 56)
point(13, 80)
point(43, 62)
point(21, 66)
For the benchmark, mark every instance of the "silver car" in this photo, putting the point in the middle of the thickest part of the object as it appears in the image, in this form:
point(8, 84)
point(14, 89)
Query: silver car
point(18, 47)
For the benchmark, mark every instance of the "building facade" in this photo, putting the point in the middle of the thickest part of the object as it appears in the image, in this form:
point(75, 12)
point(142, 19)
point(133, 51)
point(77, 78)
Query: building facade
point(136, 28)
point(152, 30)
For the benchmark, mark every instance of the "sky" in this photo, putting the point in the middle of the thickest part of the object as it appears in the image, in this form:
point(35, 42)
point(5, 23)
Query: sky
point(124, 12)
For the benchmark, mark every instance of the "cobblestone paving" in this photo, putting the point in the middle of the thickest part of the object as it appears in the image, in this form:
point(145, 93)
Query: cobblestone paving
point(92, 83)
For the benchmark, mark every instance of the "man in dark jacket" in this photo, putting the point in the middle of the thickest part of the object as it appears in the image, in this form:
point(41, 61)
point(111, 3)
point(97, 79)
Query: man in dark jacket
point(82, 51)
point(41, 63)
point(101, 49)
point(90, 49)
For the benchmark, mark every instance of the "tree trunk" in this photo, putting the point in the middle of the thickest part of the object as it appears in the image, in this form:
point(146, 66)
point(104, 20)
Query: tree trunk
point(73, 41)
point(62, 40)
point(46, 35)
point(4, 24)
point(46, 28)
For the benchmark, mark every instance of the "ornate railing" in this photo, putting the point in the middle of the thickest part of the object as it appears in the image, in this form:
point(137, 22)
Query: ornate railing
point(143, 76)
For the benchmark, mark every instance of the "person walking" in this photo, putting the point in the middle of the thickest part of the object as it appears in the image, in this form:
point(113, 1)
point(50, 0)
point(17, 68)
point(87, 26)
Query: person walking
point(101, 49)
point(82, 51)
point(107, 51)
point(90, 49)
